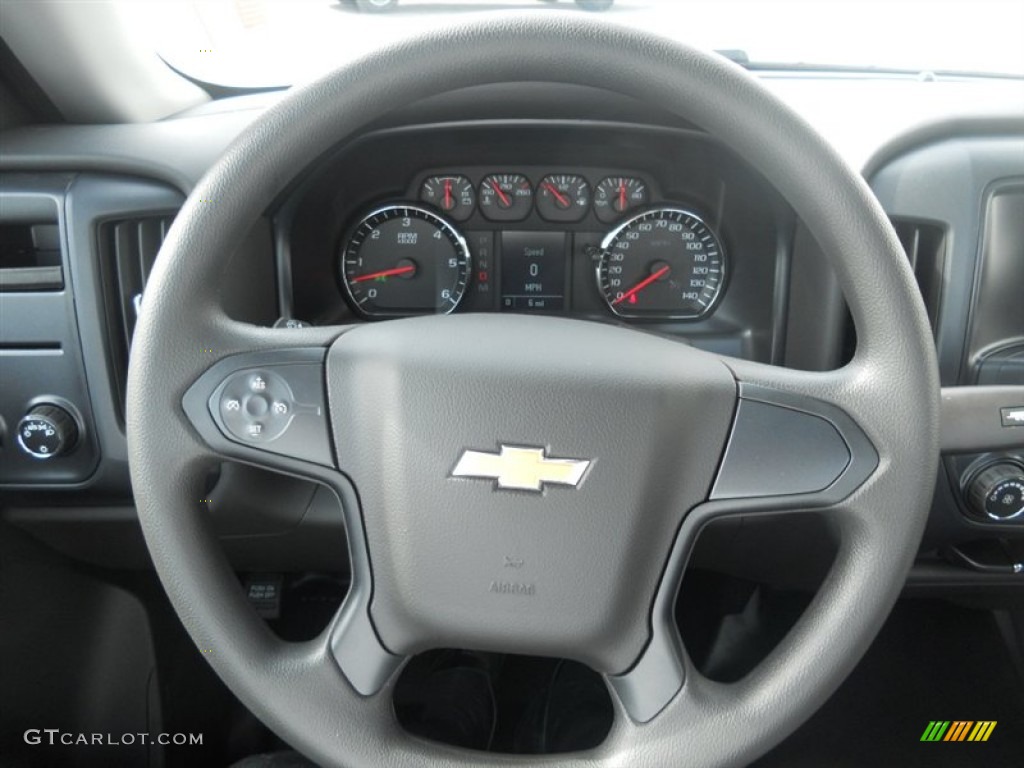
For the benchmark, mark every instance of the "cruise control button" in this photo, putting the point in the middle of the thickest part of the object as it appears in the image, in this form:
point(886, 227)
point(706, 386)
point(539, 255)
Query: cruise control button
point(250, 405)
point(257, 406)
point(268, 402)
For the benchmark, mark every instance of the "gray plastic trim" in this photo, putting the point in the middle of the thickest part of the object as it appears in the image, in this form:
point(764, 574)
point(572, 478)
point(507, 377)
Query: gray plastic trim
point(969, 127)
point(997, 312)
point(765, 417)
point(91, 199)
point(815, 458)
point(948, 180)
point(972, 419)
point(659, 674)
point(832, 457)
point(41, 359)
point(32, 279)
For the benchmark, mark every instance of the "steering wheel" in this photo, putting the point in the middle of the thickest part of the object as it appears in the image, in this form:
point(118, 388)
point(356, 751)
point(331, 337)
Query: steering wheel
point(635, 441)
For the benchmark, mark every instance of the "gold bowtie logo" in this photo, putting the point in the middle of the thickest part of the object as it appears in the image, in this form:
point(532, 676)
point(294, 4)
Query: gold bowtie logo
point(520, 469)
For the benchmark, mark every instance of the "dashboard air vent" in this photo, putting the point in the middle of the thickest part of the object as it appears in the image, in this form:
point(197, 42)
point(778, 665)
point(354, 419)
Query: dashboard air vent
point(128, 249)
point(925, 246)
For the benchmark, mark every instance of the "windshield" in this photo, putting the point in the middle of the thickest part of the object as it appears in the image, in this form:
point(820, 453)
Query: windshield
point(265, 43)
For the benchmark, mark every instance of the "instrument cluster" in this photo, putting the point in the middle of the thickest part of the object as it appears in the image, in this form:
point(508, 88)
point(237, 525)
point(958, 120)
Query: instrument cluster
point(522, 240)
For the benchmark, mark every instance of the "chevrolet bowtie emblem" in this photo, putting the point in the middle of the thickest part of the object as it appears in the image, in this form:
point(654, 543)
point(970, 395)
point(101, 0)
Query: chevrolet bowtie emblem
point(520, 469)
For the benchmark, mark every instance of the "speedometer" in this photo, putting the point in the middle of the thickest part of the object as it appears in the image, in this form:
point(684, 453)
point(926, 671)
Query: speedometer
point(404, 260)
point(663, 264)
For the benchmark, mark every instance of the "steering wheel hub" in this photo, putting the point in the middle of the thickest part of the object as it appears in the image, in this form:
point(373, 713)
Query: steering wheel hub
point(570, 571)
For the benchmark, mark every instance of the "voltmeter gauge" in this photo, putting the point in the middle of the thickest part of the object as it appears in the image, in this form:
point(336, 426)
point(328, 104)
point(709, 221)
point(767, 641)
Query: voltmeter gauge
point(454, 195)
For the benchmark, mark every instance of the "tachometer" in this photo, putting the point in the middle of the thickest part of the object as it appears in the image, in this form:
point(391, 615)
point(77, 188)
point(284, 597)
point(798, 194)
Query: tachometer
point(404, 260)
point(663, 264)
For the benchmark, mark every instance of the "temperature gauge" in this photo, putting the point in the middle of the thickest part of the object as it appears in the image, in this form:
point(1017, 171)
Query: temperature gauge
point(506, 197)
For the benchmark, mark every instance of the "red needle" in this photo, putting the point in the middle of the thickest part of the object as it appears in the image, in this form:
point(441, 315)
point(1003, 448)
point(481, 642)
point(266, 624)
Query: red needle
point(447, 193)
point(558, 195)
point(386, 273)
point(622, 195)
point(642, 284)
point(504, 198)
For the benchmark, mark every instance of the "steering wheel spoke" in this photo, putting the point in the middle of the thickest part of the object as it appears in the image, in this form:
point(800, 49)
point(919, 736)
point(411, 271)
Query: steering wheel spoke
point(659, 674)
point(793, 444)
point(266, 405)
point(792, 447)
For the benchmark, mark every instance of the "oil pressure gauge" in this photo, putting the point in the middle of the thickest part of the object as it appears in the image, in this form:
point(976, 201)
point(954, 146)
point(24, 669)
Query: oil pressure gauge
point(616, 196)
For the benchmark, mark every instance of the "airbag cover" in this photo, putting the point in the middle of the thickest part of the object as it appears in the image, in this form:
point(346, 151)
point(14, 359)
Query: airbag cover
point(567, 571)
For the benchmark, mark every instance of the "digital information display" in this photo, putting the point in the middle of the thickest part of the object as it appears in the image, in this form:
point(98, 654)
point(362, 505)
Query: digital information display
point(533, 271)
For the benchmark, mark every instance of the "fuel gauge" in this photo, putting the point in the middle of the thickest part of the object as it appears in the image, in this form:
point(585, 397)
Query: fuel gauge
point(563, 197)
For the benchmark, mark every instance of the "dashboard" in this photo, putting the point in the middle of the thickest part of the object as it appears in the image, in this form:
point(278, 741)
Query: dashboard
point(527, 198)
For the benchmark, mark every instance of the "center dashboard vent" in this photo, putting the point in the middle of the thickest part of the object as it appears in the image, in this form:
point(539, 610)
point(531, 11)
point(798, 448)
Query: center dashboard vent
point(128, 249)
point(925, 245)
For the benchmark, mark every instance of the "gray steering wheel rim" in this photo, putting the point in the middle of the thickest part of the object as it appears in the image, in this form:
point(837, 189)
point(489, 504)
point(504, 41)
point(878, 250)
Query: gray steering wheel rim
point(891, 387)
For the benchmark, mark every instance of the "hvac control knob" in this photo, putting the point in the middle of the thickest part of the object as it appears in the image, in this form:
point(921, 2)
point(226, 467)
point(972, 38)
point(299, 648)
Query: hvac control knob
point(47, 431)
point(998, 492)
